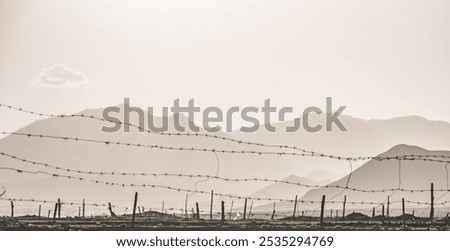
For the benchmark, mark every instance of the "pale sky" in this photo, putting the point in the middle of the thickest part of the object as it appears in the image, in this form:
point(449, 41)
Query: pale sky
point(381, 58)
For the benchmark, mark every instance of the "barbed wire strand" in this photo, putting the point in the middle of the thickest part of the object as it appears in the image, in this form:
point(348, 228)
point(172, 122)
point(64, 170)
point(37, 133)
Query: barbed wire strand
point(213, 136)
point(206, 176)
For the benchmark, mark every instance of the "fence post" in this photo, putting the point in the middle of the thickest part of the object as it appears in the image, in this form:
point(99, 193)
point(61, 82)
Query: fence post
point(250, 211)
point(48, 215)
point(343, 207)
point(382, 214)
point(110, 210)
point(198, 210)
point(322, 210)
point(55, 211)
point(185, 207)
point(245, 209)
point(295, 206)
point(211, 207)
point(39, 214)
point(373, 212)
point(223, 212)
point(403, 211)
point(162, 209)
point(273, 213)
point(134, 208)
point(387, 210)
point(84, 208)
point(432, 203)
point(12, 209)
point(331, 213)
point(59, 208)
point(231, 209)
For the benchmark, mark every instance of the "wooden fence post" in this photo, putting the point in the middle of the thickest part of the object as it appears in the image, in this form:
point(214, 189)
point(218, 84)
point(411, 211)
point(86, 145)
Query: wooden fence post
point(113, 215)
point(331, 213)
point(373, 212)
point(403, 211)
point(59, 208)
point(54, 212)
point(273, 213)
point(387, 209)
point(295, 206)
point(322, 210)
point(162, 209)
point(223, 212)
point(185, 207)
point(134, 208)
point(432, 203)
point(250, 211)
point(48, 215)
point(211, 207)
point(343, 206)
point(84, 208)
point(12, 209)
point(245, 209)
point(198, 210)
point(39, 213)
point(382, 214)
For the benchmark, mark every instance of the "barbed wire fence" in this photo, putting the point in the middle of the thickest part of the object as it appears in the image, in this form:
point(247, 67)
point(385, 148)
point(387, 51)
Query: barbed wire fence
point(281, 150)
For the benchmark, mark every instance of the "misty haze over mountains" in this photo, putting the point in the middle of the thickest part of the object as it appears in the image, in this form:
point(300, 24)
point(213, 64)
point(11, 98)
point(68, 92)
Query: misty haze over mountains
point(363, 138)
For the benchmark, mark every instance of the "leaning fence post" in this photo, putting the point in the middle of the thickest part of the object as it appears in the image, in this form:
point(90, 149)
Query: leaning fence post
point(223, 212)
point(134, 208)
point(273, 213)
point(432, 203)
point(322, 210)
point(343, 206)
point(295, 206)
point(55, 211)
point(12, 209)
point(110, 210)
point(211, 207)
point(245, 209)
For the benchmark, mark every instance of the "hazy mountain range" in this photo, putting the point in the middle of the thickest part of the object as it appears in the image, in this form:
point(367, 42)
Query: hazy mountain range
point(364, 137)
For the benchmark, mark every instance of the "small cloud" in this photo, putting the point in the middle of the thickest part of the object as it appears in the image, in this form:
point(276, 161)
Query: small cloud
point(59, 76)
